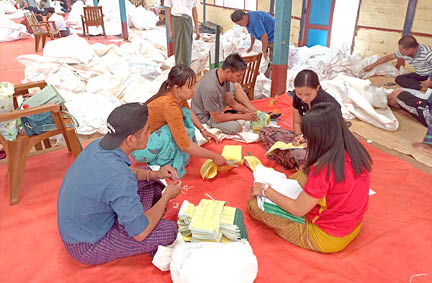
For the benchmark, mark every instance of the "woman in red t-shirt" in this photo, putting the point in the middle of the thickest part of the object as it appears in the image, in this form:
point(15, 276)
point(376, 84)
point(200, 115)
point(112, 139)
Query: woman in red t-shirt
point(335, 195)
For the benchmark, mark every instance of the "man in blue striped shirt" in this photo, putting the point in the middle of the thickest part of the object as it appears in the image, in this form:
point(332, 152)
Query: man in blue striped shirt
point(419, 56)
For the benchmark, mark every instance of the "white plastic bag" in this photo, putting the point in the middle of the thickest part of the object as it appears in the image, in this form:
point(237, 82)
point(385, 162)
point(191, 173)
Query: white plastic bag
point(7, 128)
point(214, 262)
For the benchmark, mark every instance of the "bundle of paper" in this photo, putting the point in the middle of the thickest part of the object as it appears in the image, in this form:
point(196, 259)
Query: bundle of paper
point(232, 154)
point(185, 215)
point(206, 220)
point(211, 221)
point(283, 146)
point(280, 183)
point(232, 224)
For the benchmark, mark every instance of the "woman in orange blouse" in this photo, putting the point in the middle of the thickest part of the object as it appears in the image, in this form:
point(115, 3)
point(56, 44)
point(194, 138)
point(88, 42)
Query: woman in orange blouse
point(172, 125)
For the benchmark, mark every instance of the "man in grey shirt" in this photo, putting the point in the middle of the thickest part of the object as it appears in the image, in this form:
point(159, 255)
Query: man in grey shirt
point(218, 89)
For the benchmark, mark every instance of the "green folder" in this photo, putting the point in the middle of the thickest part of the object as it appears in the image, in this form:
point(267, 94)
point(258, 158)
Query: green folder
point(276, 210)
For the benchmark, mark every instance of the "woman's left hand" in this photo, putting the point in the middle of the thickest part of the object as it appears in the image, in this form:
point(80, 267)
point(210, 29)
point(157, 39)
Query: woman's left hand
point(167, 172)
point(209, 136)
point(256, 189)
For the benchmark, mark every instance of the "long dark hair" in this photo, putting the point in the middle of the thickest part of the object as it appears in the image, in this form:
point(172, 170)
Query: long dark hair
point(179, 75)
point(307, 78)
point(328, 138)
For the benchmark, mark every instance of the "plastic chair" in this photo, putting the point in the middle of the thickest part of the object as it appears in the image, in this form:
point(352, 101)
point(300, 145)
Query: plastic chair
point(41, 29)
point(18, 149)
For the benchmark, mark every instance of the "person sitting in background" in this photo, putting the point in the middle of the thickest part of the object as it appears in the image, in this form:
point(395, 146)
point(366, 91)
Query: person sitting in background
point(171, 124)
point(417, 55)
point(218, 89)
point(307, 93)
point(107, 210)
point(45, 4)
point(31, 5)
point(335, 195)
point(59, 22)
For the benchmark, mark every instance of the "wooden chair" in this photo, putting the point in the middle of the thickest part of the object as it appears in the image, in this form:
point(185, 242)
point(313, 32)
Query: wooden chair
point(250, 76)
point(41, 29)
point(18, 149)
point(93, 16)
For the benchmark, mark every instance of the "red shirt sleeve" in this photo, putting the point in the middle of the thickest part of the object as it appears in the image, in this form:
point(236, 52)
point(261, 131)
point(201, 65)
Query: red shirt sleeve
point(318, 185)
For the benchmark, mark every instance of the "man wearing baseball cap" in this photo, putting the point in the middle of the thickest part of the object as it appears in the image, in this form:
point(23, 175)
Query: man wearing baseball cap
point(107, 210)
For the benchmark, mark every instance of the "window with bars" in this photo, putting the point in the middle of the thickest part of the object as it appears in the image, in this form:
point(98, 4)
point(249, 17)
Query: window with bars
point(250, 5)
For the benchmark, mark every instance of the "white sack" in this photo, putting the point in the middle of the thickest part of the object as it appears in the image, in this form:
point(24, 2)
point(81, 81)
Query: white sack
point(214, 262)
point(71, 49)
point(10, 31)
point(359, 99)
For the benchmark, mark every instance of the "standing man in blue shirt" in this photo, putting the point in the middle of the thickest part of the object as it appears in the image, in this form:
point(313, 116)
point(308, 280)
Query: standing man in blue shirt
point(260, 25)
point(107, 210)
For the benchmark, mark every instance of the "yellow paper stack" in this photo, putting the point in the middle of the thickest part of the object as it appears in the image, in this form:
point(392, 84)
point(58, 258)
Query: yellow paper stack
point(283, 146)
point(206, 221)
point(252, 162)
point(210, 221)
point(232, 154)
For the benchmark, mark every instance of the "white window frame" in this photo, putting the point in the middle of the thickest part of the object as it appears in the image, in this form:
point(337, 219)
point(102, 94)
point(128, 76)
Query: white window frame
point(249, 5)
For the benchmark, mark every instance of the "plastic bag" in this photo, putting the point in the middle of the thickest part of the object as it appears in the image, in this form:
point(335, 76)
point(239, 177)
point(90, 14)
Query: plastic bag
point(214, 262)
point(8, 129)
point(263, 121)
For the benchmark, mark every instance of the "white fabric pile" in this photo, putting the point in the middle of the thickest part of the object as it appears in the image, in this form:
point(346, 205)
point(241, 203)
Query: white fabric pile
point(100, 77)
point(8, 10)
point(190, 262)
point(11, 31)
point(341, 74)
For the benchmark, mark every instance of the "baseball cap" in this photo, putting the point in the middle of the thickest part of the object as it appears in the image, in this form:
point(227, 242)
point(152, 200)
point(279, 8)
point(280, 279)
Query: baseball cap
point(125, 120)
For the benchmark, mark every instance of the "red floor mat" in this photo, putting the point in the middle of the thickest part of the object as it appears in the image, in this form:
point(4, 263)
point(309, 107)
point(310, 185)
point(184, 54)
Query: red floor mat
point(13, 71)
point(394, 244)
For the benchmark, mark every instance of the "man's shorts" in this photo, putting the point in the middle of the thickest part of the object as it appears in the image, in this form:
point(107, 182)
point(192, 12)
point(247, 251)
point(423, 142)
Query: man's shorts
point(416, 106)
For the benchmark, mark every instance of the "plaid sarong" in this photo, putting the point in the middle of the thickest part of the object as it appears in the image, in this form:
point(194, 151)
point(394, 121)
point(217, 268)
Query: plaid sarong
point(288, 158)
point(117, 243)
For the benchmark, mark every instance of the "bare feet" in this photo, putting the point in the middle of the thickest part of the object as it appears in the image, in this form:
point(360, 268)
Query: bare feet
point(426, 148)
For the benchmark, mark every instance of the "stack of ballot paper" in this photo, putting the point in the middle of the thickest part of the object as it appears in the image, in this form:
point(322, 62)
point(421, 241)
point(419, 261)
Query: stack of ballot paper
point(232, 224)
point(211, 221)
point(283, 146)
point(232, 154)
point(206, 221)
point(280, 183)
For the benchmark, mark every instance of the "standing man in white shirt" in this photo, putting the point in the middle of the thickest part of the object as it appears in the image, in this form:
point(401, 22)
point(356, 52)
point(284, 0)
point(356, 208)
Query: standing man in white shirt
point(59, 22)
point(180, 14)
